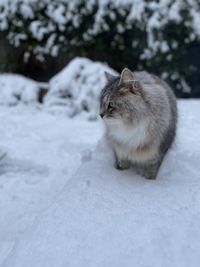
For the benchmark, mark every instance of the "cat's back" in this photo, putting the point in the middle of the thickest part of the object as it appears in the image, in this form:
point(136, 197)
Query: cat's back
point(144, 77)
point(150, 82)
point(163, 103)
point(157, 91)
point(155, 86)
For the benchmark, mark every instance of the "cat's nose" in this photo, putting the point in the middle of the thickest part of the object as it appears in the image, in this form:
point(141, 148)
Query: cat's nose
point(102, 115)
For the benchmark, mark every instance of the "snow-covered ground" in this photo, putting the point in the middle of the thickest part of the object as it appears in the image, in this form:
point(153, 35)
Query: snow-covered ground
point(15, 88)
point(43, 151)
point(63, 204)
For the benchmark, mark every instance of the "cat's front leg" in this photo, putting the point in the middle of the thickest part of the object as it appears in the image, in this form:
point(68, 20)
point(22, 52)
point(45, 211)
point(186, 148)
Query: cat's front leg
point(121, 164)
point(151, 171)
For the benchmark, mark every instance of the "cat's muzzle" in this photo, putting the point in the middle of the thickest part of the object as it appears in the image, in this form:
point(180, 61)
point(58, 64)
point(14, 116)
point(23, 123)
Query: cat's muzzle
point(102, 115)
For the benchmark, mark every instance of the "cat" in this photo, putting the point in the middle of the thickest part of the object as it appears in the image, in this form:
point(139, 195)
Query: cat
point(140, 113)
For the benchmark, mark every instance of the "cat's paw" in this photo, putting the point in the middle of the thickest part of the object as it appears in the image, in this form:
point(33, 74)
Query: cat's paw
point(150, 173)
point(150, 177)
point(122, 165)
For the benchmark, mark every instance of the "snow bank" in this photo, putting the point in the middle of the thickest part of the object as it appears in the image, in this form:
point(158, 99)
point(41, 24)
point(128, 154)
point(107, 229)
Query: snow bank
point(77, 88)
point(105, 217)
point(16, 89)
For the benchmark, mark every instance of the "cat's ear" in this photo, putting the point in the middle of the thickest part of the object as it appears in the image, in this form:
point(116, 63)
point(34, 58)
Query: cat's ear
point(126, 76)
point(109, 77)
point(129, 84)
point(133, 87)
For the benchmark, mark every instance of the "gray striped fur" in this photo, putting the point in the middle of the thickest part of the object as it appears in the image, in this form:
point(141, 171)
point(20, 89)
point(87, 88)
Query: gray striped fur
point(140, 114)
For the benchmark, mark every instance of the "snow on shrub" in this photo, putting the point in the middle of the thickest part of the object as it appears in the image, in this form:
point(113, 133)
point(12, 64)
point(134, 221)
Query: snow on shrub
point(50, 24)
point(44, 27)
point(15, 89)
point(77, 87)
point(154, 35)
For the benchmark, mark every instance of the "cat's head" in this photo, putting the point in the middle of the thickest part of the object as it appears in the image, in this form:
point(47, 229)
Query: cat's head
point(122, 98)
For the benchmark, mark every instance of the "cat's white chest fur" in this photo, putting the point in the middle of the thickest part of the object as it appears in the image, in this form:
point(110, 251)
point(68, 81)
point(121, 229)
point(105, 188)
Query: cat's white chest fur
point(132, 137)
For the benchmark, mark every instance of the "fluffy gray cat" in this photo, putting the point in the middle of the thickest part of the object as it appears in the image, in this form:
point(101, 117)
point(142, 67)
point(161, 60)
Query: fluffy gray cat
point(140, 114)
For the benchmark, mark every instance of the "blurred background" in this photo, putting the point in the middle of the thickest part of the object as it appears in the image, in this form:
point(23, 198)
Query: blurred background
point(39, 38)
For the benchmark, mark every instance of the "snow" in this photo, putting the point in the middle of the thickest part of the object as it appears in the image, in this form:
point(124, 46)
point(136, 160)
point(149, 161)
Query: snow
point(137, 10)
point(77, 88)
point(27, 11)
point(63, 203)
point(39, 21)
point(16, 89)
point(42, 153)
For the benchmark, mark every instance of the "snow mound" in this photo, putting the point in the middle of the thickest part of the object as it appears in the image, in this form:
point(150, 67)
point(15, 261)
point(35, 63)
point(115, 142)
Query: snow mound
point(15, 89)
point(77, 87)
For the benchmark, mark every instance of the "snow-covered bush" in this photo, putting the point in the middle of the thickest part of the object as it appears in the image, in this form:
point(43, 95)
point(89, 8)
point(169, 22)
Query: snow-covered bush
point(77, 87)
point(15, 89)
point(45, 27)
point(50, 24)
point(155, 35)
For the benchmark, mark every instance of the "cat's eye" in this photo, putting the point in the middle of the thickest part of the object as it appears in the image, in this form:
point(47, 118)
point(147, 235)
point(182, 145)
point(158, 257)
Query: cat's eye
point(110, 106)
point(136, 84)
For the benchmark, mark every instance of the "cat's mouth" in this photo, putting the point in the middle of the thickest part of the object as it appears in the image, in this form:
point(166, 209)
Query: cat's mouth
point(102, 115)
point(110, 120)
point(106, 117)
